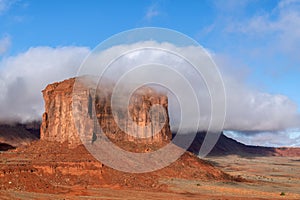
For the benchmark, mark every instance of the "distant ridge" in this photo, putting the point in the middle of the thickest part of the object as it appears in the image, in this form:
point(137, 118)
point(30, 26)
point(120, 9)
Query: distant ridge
point(229, 146)
point(5, 147)
point(18, 134)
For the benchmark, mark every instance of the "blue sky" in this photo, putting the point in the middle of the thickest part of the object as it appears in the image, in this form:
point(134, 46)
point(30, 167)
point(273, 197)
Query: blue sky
point(36, 23)
point(259, 37)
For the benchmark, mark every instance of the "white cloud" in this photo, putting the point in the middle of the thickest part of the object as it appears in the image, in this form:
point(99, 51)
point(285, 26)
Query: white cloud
point(22, 78)
point(273, 139)
point(285, 3)
point(282, 25)
point(5, 5)
point(5, 43)
point(152, 12)
point(248, 109)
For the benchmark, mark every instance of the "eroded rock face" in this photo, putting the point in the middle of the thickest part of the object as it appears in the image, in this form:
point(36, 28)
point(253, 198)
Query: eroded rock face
point(144, 125)
point(57, 122)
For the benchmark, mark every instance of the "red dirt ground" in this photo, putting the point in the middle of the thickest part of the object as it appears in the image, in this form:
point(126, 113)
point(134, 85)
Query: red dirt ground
point(50, 167)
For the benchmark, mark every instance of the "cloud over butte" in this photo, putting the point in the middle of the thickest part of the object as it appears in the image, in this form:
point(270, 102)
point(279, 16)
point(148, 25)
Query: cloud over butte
point(22, 77)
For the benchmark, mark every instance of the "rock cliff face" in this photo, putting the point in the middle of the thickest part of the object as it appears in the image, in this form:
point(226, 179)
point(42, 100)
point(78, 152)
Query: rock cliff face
point(141, 126)
point(57, 122)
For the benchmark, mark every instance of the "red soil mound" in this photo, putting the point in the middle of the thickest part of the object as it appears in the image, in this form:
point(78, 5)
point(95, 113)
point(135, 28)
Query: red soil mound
point(54, 168)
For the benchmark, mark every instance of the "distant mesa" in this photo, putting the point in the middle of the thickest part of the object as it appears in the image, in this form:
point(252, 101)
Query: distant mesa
point(228, 146)
point(5, 147)
point(17, 135)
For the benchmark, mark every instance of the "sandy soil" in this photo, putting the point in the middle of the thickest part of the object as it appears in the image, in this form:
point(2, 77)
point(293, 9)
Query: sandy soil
point(26, 177)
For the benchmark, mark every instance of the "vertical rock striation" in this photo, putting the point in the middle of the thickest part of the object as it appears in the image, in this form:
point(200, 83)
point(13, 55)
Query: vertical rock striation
point(144, 125)
point(57, 122)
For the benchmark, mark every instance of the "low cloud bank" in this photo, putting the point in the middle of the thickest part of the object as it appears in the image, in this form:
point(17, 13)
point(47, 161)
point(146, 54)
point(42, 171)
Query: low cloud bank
point(22, 77)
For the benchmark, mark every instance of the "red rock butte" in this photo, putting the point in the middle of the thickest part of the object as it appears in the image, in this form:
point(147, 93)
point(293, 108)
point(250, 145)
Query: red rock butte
point(61, 100)
point(59, 163)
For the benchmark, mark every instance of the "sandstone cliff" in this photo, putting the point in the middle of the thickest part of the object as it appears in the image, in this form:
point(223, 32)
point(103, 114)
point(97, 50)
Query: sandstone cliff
point(143, 128)
point(57, 122)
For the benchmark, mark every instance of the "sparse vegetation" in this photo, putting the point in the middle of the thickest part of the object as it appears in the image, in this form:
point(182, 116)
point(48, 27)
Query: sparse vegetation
point(282, 194)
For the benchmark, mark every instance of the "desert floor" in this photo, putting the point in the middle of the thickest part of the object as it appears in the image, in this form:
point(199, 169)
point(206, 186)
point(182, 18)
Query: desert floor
point(267, 178)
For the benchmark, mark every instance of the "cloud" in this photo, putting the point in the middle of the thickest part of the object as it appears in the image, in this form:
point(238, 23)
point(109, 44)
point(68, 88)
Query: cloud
point(152, 12)
point(230, 6)
point(22, 78)
point(5, 43)
point(248, 109)
point(282, 25)
point(5, 5)
point(275, 138)
point(285, 3)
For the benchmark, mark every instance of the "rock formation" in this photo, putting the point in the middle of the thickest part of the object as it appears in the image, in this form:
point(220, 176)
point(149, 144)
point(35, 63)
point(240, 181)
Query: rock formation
point(17, 135)
point(60, 124)
point(50, 166)
point(57, 122)
point(229, 146)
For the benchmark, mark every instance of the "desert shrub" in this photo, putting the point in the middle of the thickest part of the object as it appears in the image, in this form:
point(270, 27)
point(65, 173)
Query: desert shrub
point(282, 194)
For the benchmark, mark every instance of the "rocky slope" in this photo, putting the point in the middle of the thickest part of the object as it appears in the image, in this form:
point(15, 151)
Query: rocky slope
point(53, 167)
